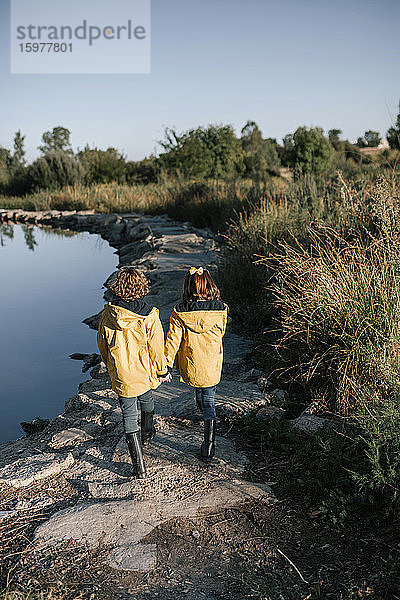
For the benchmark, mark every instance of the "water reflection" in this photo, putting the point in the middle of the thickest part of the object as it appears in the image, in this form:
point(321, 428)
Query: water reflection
point(49, 292)
point(7, 231)
point(29, 237)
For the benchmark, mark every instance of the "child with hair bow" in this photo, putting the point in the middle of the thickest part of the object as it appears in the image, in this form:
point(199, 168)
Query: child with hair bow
point(196, 329)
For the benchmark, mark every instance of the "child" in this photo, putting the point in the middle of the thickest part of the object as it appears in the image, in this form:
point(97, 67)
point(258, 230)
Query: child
point(196, 329)
point(131, 340)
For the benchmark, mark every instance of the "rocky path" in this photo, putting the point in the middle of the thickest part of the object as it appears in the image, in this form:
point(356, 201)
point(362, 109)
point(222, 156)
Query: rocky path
point(85, 445)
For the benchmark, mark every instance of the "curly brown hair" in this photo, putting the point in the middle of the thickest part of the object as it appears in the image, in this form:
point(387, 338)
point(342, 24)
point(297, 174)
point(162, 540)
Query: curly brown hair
point(130, 284)
point(200, 287)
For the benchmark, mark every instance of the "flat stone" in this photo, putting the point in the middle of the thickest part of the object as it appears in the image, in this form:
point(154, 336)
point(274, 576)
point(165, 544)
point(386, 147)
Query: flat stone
point(69, 437)
point(25, 471)
point(123, 524)
point(273, 412)
point(81, 401)
point(311, 423)
point(34, 426)
point(93, 321)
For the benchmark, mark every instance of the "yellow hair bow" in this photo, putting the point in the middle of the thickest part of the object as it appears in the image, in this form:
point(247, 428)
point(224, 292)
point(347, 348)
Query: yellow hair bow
point(193, 270)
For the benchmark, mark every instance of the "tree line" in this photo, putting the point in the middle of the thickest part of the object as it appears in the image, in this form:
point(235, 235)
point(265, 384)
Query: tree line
point(213, 152)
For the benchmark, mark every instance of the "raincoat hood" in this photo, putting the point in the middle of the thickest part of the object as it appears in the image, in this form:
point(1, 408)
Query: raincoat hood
point(120, 318)
point(201, 321)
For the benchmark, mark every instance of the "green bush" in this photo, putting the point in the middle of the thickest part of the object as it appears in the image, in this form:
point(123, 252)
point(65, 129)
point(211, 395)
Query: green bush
point(54, 170)
point(307, 150)
point(102, 166)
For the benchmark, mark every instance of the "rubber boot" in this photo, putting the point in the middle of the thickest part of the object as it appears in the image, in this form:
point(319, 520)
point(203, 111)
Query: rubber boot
point(147, 426)
point(136, 454)
point(207, 450)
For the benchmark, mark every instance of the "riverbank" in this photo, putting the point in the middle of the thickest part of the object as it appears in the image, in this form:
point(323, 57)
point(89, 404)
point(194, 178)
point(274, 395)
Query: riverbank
point(75, 522)
point(84, 447)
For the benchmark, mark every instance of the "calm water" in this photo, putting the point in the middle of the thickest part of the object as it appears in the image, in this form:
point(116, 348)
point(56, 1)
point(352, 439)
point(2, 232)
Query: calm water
point(49, 282)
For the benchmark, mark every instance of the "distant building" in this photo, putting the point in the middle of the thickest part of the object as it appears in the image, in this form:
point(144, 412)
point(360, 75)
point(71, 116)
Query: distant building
point(384, 144)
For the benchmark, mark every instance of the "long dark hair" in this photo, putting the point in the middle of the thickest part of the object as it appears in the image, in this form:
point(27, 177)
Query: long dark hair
point(200, 286)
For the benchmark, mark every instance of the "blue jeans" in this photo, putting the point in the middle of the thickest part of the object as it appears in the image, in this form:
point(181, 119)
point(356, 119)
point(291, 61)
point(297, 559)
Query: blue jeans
point(206, 399)
point(130, 412)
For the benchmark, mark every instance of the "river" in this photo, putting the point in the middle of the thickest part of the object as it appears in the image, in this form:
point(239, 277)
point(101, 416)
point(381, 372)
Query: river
point(49, 281)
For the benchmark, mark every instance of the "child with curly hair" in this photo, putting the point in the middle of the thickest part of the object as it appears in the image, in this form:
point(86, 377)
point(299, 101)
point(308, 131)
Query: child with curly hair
point(131, 341)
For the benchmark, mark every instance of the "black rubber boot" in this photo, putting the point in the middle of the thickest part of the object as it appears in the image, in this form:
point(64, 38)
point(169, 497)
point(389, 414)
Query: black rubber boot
point(207, 450)
point(147, 426)
point(136, 453)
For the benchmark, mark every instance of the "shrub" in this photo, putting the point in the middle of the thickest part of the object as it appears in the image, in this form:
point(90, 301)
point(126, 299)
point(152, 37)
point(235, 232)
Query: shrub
point(307, 150)
point(102, 166)
point(339, 302)
point(54, 170)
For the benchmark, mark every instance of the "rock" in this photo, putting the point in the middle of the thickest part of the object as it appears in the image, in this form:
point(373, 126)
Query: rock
point(99, 371)
point(89, 360)
point(123, 524)
point(93, 321)
point(34, 426)
point(69, 437)
point(121, 453)
point(133, 251)
point(311, 423)
point(252, 375)
point(83, 402)
point(273, 412)
point(25, 471)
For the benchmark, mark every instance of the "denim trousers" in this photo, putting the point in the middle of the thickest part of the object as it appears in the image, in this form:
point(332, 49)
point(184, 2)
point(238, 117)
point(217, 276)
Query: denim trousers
point(206, 399)
point(130, 412)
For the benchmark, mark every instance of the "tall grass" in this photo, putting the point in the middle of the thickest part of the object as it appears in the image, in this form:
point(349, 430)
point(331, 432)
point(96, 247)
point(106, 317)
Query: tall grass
point(338, 299)
point(204, 203)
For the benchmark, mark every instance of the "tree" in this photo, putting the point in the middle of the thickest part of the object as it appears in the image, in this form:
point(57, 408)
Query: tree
point(361, 142)
point(307, 150)
point(102, 166)
point(371, 139)
point(334, 137)
point(210, 152)
point(261, 158)
point(4, 167)
point(54, 170)
point(57, 139)
point(19, 150)
point(393, 134)
point(17, 167)
point(143, 171)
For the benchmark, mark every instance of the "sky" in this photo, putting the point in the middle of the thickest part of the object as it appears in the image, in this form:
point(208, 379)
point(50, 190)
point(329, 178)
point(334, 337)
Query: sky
point(281, 63)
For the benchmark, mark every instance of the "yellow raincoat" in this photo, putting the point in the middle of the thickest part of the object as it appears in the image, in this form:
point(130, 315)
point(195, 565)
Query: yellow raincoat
point(131, 345)
point(196, 336)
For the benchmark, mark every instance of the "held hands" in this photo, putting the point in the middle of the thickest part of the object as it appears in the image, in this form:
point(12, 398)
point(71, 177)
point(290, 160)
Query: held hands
point(166, 378)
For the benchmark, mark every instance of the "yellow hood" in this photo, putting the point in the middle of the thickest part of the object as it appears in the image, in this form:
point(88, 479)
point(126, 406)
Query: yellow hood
point(201, 321)
point(120, 318)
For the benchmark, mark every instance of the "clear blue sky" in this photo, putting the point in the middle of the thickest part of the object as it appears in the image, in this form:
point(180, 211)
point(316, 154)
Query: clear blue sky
point(282, 63)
